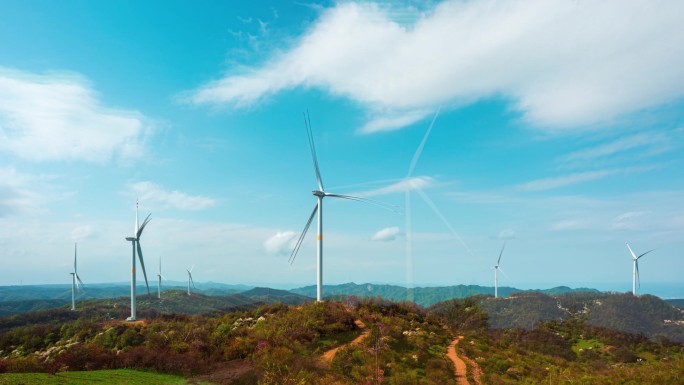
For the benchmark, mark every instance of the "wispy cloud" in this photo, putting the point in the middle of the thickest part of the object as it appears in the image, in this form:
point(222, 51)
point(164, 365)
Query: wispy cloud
point(45, 117)
point(630, 220)
point(151, 192)
point(555, 61)
point(408, 184)
point(632, 147)
point(387, 234)
point(281, 243)
point(577, 178)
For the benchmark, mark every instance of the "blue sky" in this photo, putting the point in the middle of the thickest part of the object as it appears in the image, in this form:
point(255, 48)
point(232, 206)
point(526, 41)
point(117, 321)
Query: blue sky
point(558, 128)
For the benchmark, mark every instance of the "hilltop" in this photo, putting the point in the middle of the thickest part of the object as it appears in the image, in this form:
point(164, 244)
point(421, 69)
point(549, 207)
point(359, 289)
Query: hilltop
point(402, 342)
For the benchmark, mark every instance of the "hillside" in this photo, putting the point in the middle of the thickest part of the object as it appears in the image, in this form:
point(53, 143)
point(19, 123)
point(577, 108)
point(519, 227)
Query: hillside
point(285, 345)
point(647, 315)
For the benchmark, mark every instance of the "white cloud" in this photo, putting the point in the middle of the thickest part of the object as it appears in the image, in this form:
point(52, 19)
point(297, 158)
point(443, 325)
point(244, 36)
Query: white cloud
point(506, 234)
point(149, 191)
point(408, 184)
point(387, 234)
point(561, 63)
point(59, 117)
point(281, 243)
point(17, 192)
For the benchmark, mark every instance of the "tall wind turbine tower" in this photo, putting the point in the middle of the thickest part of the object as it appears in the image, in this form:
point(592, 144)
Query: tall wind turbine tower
point(135, 243)
point(75, 280)
point(190, 281)
point(159, 278)
point(318, 209)
point(496, 273)
point(635, 268)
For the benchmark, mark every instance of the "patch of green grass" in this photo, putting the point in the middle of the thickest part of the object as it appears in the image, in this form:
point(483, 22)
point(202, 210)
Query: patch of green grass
point(338, 339)
point(109, 377)
point(581, 345)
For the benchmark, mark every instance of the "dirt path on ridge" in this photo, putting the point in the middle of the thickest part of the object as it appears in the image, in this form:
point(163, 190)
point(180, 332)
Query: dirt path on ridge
point(330, 354)
point(459, 365)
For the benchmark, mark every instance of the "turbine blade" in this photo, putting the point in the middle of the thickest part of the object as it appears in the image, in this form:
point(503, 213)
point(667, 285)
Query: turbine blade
point(386, 206)
point(302, 235)
point(434, 208)
point(419, 151)
point(637, 273)
point(309, 132)
point(500, 254)
point(630, 250)
point(504, 273)
point(142, 264)
point(193, 266)
point(644, 254)
point(142, 227)
point(75, 253)
point(78, 279)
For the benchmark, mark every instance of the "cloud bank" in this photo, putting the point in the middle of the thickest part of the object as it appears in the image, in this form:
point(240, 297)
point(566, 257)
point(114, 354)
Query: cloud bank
point(560, 64)
point(281, 243)
point(59, 117)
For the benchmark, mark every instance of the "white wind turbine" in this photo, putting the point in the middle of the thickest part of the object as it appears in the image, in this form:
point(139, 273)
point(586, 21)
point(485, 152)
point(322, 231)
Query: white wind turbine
point(135, 243)
point(410, 183)
point(76, 282)
point(159, 278)
point(635, 268)
point(190, 281)
point(496, 273)
point(318, 208)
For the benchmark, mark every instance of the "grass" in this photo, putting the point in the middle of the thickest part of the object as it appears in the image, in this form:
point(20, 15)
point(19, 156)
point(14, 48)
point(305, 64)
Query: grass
point(581, 345)
point(109, 377)
point(335, 340)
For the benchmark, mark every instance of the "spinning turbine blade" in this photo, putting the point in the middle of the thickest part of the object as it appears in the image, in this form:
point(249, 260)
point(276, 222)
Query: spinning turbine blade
point(307, 123)
point(142, 263)
point(500, 254)
point(386, 206)
point(644, 254)
point(142, 227)
point(637, 274)
point(434, 208)
point(630, 250)
point(419, 151)
point(301, 237)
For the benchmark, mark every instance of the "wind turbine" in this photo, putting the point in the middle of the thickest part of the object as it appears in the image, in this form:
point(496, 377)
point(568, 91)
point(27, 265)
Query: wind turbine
point(318, 209)
point(159, 278)
point(635, 268)
point(76, 282)
point(410, 184)
point(135, 243)
point(496, 273)
point(190, 281)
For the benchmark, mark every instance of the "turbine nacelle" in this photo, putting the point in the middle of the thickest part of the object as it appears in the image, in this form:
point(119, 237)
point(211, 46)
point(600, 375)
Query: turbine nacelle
point(319, 193)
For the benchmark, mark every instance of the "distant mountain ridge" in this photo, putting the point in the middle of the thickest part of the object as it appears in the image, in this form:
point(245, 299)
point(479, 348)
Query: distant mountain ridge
point(424, 296)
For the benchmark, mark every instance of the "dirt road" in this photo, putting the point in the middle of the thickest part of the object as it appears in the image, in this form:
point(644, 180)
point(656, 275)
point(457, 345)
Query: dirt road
point(328, 356)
